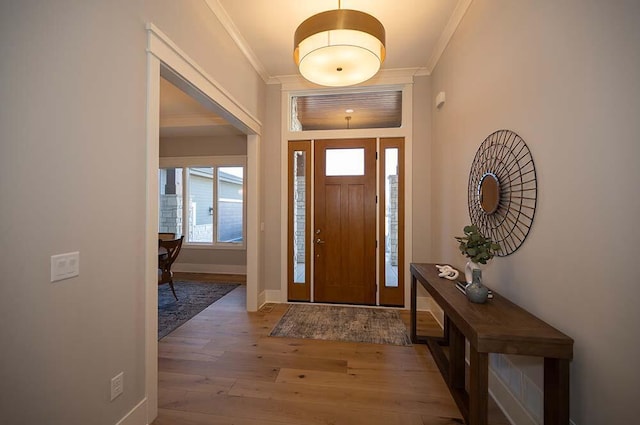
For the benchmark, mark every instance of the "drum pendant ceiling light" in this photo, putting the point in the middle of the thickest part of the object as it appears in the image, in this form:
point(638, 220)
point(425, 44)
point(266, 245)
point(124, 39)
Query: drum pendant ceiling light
point(339, 47)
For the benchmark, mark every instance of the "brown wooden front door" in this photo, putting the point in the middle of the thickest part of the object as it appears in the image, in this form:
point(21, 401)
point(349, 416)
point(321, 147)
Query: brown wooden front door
point(344, 235)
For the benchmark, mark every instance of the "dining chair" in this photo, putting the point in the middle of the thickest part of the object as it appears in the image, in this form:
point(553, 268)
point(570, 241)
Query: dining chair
point(166, 236)
point(168, 251)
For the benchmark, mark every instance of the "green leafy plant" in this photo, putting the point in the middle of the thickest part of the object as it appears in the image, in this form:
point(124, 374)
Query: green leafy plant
point(475, 246)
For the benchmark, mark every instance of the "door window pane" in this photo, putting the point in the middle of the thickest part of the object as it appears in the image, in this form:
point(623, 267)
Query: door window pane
point(344, 162)
point(230, 204)
point(391, 217)
point(298, 220)
point(299, 216)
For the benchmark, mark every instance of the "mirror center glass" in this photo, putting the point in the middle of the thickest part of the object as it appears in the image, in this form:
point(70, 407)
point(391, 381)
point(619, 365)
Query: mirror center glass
point(489, 193)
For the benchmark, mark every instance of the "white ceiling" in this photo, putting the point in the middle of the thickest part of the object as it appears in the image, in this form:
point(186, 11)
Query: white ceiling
point(182, 116)
point(417, 32)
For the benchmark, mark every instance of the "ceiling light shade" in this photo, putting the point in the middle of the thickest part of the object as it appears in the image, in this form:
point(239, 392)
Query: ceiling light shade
point(339, 47)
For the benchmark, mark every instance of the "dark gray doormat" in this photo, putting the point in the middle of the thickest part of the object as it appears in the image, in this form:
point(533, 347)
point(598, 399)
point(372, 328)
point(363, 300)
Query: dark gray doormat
point(193, 297)
point(337, 323)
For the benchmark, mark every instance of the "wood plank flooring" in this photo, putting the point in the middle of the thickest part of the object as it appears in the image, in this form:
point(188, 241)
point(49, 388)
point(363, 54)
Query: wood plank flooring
point(221, 368)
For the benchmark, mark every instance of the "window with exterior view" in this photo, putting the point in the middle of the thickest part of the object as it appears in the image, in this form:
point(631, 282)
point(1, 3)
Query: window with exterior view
point(203, 203)
point(230, 205)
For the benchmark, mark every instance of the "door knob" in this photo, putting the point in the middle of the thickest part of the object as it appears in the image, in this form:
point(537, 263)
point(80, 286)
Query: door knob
point(319, 240)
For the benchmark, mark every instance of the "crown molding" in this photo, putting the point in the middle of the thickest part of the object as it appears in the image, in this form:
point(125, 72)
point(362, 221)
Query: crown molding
point(235, 35)
point(422, 72)
point(447, 33)
point(386, 77)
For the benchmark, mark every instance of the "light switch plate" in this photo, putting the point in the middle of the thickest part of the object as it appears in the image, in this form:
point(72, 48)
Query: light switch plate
point(117, 385)
point(65, 266)
point(440, 99)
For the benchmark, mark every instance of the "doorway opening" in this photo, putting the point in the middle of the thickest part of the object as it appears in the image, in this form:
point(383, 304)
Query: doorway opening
point(164, 58)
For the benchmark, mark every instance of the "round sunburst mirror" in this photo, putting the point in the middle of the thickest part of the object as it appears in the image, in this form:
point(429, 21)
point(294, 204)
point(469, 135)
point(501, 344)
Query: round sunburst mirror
point(503, 190)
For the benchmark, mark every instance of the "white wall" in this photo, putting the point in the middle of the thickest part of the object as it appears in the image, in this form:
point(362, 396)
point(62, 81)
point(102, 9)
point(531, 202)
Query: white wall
point(72, 142)
point(563, 75)
point(72, 131)
point(192, 26)
point(203, 146)
point(421, 168)
point(272, 200)
point(422, 206)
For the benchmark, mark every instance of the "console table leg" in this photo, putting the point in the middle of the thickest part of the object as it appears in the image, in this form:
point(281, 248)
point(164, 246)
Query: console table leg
point(445, 331)
point(456, 357)
point(556, 391)
point(414, 308)
point(478, 387)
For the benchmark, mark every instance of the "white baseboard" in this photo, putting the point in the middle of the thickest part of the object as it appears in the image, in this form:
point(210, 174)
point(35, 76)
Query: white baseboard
point(269, 296)
point(437, 312)
point(137, 415)
point(423, 304)
point(262, 299)
point(428, 304)
point(513, 410)
point(273, 296)
point(209, 268)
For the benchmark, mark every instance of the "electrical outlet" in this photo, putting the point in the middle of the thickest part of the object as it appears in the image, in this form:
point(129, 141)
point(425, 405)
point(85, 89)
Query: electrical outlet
point(117, 385)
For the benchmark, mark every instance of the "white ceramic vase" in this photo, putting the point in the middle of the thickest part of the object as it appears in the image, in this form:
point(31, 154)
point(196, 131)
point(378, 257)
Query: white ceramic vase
point(468, 271)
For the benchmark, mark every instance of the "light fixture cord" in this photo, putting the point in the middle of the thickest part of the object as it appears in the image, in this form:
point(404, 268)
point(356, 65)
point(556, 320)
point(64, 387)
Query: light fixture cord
point(339, 4)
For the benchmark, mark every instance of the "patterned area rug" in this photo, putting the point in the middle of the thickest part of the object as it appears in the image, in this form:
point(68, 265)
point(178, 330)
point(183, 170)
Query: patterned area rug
point(193, 297)
point(336, 323)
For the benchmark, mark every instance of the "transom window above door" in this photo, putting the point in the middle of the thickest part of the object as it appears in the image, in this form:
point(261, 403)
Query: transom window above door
point(377, 109)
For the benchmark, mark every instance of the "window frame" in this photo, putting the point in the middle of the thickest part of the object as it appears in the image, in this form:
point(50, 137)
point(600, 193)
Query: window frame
point(215, 162)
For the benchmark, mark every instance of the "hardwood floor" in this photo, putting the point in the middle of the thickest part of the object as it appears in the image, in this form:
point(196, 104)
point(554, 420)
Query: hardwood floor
point(221, 368)
point(211, 277)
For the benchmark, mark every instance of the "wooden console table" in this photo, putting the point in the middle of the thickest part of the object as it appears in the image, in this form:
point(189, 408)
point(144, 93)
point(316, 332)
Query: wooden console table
point(498, 326)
